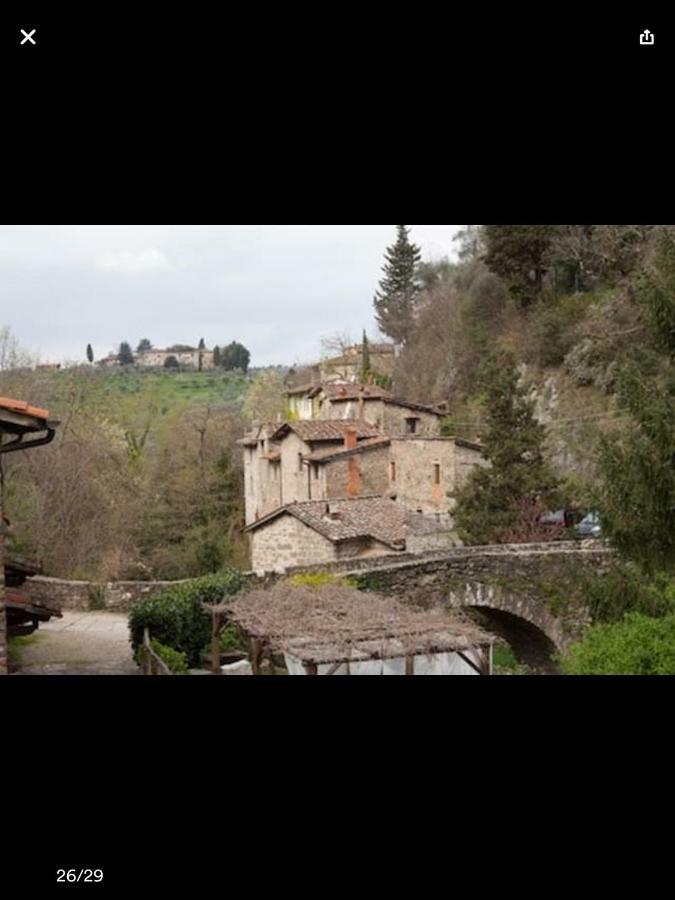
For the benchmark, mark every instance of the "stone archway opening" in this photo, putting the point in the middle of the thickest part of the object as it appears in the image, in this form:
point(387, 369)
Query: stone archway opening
point(530, 645)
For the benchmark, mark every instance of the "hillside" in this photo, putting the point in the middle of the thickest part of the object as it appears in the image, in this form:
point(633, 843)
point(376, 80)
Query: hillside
point(143, 480)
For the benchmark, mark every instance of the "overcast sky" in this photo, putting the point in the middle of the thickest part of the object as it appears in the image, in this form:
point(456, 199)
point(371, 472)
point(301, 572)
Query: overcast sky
point(278, 289)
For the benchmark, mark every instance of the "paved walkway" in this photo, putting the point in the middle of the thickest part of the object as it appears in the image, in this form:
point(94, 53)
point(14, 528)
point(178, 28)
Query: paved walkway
point(81, 643)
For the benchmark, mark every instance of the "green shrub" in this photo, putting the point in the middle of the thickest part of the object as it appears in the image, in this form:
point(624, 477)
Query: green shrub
point(319, 580)
point(177, 662)
point(625, 588)
point(638, 645)
point(554, 324)
point(96, 597)
point(177, 618)
point(232, 640)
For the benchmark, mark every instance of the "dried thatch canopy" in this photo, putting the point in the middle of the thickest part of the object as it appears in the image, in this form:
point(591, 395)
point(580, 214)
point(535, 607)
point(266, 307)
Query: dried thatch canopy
point(339, 624)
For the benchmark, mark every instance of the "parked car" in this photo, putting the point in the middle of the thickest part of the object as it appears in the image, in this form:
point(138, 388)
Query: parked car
point(563, 518)
point(590, 527)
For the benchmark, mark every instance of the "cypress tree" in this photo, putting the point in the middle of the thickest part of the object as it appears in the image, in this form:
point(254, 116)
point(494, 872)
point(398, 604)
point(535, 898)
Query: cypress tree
point(395, 301)
point(497, 499)
point(365, 362)
point(216, 357)
point(90, 353)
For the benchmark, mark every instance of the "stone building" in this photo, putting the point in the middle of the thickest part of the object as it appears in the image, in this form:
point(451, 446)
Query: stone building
point(342, 400)
point(316, 532)
point(425, 474)
point(156, 359)
point(349, 365)
point(281, 462)
point(354, 443)
point(187, 359)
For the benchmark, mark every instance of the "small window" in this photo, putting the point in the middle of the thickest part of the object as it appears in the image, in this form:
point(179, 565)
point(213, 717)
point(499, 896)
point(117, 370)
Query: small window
point(411, 426)
point(393, 472)
point(300, 463)
point(437, 473)
point(315, 469)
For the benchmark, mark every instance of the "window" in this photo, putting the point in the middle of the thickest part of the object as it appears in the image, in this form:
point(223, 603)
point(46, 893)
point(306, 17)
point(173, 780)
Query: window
point(437, 473)
point(393, 472)
point(300, 463)
point(411, 426)
point(315, 469)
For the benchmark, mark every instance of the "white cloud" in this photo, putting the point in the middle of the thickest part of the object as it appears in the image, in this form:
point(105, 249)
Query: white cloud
point(132, 263)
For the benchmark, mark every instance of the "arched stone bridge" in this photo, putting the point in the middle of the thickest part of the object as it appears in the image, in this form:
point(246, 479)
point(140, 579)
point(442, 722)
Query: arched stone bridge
point(529, 594)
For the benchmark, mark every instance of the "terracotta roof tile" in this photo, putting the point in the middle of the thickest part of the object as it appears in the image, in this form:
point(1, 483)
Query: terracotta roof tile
point(324, 456)
point(341, 520)
point(23, 408)
point(314, 431)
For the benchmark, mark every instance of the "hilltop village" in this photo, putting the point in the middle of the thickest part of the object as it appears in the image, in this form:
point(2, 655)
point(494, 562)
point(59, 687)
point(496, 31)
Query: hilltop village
point(355, 472)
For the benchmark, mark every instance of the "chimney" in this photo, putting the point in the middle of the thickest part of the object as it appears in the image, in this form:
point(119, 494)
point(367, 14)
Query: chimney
point(351, 439)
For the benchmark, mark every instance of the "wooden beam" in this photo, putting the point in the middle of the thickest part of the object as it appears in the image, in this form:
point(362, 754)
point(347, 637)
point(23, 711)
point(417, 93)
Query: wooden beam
point(410, 665)
point(477, 669)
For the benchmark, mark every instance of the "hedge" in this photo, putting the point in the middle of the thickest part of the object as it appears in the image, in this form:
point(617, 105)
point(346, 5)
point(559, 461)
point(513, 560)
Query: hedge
point(177, 618)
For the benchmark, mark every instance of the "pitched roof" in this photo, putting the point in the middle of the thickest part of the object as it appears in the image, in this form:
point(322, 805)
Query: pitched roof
point(314, 431)
point(343, 520)
point(331, 454)
point(344, 391)
point(21, 407)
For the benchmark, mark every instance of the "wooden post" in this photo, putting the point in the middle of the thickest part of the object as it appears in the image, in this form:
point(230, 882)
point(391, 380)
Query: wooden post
point(311, 670)
point(215, 643)
point(410, 665)
point(256, 655)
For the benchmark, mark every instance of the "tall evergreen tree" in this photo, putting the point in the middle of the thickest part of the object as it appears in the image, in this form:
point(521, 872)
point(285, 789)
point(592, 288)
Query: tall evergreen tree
point(636, 491)
point(395, 301)
point(144, 346)
point(125, 355)
point(90, 353)
point(518, 254)
point(217, 359)
point(636, 488)
point(497, 499)
point(365, 358)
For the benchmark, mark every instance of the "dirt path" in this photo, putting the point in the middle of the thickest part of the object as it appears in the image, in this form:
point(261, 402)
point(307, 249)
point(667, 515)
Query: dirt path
point(81, 643)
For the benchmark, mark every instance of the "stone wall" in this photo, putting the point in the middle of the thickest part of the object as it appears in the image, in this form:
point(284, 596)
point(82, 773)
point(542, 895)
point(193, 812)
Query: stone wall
point(83, 595)
point(287, 542)
point(395, 417)
point(373, 475)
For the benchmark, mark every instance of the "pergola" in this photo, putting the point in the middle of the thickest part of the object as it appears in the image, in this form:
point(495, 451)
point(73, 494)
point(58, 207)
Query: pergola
point(338, 630)
point(22, 427)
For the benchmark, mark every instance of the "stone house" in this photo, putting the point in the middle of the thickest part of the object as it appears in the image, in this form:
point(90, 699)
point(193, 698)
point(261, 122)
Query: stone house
point(349, 366)
point(342, 400)
point(356, 443)
point(426, 473)
point(316, 532)
point(189, 359)
point(283, 463)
